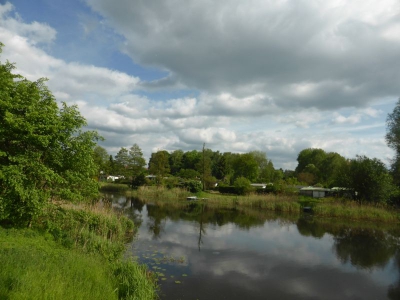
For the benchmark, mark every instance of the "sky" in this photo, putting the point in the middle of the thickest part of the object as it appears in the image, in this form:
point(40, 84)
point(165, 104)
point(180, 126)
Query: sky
point(274, 76)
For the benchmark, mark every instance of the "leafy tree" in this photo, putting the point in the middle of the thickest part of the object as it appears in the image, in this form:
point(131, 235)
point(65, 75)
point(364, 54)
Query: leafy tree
point(130, 162)
point(188, 174)
point(393, 140)
point(369, 178)
point(122, 162)
point(265, 166)
point(190, 159)
point(175, 161)
point(136, 159)
point(159, 164)
point(246, 166)
point(309, 161)
point(101, 157)
point(44, 154)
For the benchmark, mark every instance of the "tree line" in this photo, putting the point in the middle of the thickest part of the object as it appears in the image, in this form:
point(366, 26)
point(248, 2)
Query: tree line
point(45, 156)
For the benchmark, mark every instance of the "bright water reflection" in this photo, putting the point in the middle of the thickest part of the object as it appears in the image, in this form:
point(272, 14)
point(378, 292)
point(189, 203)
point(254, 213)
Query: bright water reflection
point(230, 254)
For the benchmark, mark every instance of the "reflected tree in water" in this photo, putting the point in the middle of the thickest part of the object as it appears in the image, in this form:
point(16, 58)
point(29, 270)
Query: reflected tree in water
point(394, 289)
point(156, 221)
point(309, 227)
point(365, 248)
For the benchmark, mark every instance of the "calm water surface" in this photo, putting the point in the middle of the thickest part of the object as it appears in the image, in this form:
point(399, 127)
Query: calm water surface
point(202, 253)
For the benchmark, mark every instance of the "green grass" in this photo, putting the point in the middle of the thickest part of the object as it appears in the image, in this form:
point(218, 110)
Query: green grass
point(35, 267)
point(72, 252)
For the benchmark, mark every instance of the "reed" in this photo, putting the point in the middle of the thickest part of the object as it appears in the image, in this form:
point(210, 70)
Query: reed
point(326, 207)
point(113, 187)
point(354, 211)
point(91, 229)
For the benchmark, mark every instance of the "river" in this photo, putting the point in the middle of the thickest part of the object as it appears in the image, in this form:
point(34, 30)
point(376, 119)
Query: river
point(202, 253)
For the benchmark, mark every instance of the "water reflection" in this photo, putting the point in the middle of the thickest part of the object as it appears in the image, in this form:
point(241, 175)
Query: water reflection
point(247, 254)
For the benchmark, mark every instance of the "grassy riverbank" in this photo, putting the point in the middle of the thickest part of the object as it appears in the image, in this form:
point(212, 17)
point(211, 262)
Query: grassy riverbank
point(72, 252)
point(325, 207)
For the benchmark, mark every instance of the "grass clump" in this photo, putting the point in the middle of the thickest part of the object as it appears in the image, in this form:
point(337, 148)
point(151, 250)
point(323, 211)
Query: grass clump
point(90, 229)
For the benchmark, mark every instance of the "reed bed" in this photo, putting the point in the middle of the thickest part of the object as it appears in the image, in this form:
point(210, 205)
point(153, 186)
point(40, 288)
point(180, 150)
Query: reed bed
point(354, 211)
point(113, 187)
point(293, 204)
point(177, 197)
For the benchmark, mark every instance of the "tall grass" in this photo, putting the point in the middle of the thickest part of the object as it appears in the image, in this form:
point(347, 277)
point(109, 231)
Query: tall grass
point(177, 197)
point(90, 229)
point(327, 207)
point(355, 211)
point(35, 267)
point(72, 252)
point(161, 193)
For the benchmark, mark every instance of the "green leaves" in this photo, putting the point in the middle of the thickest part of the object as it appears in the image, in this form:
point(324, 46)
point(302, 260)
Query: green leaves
point(44, 154)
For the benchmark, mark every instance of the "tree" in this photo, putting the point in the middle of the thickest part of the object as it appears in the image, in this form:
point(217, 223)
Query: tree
point(246, 166)
point(369, 178)
point(44, 154)
point(190, 159)
point(101, 157)
point(159, 164)
point(393, 140)
point(122, 162)
point(136, 159)
point(175, 161)
point(265, 166)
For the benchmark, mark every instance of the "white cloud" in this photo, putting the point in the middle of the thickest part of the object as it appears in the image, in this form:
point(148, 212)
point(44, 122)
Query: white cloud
point(36, 32)
point(270, 76)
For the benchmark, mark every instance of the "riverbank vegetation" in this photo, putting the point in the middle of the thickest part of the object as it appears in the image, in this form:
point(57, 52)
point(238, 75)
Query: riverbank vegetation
point(72, 252)
point(292, 203)
point(55, 243)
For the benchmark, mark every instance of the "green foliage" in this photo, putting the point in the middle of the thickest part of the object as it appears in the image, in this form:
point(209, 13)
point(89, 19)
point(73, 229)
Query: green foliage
point(393, 140)
point(175, 161)
point(101, 158)
point(97, 232)
point(369, 178)
point(315, 165)
point(159, 164)
point(188, 174)
point(194, 186)
point(245, 165)
point(134, 281)
point(242, 186)
point(43, 152)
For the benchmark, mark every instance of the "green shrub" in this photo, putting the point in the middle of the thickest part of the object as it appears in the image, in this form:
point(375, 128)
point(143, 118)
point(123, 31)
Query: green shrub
point(242, 186)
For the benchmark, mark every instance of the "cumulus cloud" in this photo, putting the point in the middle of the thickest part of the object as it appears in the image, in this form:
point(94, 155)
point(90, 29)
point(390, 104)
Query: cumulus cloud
point(301, 53)
point(274, 76)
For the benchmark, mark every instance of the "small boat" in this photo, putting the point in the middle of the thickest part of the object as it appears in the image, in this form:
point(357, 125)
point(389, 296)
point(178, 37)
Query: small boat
point(191, 198)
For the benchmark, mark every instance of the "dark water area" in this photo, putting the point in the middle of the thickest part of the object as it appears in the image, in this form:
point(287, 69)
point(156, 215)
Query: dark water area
point(204, 253)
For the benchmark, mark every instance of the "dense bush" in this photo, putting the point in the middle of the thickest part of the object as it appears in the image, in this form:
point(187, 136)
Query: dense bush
point(194, 186)
point(242, 186)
